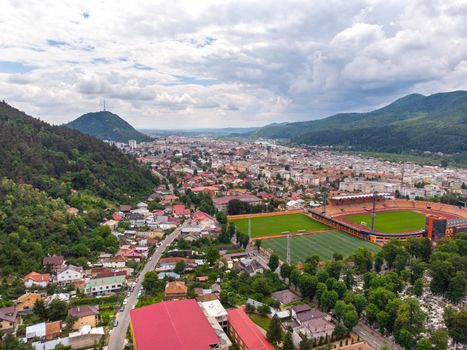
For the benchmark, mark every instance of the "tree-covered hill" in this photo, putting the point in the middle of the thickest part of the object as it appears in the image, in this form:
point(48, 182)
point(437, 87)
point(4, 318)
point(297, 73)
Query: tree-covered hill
point(57, 159)
point(436, 123)
point(33, 225)
point(107, 126)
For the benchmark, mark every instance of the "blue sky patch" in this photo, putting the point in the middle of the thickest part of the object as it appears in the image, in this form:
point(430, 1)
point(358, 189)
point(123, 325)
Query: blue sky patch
point(52, 42)
point(142, 66)
point(187, 80)
point(14, 67)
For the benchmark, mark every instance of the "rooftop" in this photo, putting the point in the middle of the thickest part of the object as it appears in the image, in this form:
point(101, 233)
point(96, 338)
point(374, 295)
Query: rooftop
point(172, 325)
point(250, 334)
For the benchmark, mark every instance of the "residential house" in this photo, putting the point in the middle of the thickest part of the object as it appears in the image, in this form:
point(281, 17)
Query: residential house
point(175, 290)
point(201, 218)
point(9, 319)
point(116, 262)
point(250, 266)
point(44, 330)
point(53, 262)
point(179, 211)
point(105, 285)
point(69, 273)
point(312, 322)
point(125, 208)
point(25, 303)
point(286, 296)
point(86, 315)
point(35, 279)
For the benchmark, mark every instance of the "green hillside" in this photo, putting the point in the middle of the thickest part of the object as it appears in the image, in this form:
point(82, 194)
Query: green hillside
point(56, 159)
point(436, 123)
point(107, 126)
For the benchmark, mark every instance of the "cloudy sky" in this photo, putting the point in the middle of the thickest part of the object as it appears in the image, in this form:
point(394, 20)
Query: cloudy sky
point(188, 64)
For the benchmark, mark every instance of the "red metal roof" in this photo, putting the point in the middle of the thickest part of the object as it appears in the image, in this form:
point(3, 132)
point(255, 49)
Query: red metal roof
point(248, 331)
point(172, 325)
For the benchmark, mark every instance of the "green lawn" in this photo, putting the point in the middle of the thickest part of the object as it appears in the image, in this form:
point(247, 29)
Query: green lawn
point(260, 320)
point(392, 221)
point(271, 225)
point(323, 244)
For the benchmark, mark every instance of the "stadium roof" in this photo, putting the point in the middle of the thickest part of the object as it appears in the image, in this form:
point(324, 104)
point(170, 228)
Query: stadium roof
point(172, 325)
point(355, 196)
point(248, 332)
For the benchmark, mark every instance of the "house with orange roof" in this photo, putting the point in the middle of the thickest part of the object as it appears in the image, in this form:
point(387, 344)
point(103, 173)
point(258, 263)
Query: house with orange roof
point(36, 279)
point(175, 290)
point(25, 303)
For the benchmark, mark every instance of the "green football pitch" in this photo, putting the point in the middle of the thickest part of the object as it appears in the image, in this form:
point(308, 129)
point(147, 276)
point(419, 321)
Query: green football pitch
point(273, 225)
point(323, 244)
point(392, 221)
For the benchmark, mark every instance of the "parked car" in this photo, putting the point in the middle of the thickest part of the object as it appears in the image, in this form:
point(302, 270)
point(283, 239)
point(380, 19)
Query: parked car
point(115, 323)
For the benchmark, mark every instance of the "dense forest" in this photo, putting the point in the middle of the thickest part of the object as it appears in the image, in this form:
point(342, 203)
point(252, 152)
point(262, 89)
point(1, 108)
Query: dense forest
point(436, 123)
point(57, 160)
point(33, 225)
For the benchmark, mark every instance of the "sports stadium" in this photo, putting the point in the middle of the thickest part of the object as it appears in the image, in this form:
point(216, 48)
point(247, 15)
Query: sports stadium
point(378, 218)
point(350, 222)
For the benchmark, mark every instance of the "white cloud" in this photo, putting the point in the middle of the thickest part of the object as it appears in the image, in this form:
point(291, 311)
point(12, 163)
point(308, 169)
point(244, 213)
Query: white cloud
point(227, 63)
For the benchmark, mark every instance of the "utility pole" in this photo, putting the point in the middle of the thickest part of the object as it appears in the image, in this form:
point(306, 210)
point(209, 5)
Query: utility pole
point(373, 212)
point(324, 195)
point(289, 238)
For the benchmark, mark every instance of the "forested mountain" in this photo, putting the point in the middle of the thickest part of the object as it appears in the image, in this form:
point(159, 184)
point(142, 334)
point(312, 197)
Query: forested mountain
point(436, 123)
point(107, 126)
point(57, 159)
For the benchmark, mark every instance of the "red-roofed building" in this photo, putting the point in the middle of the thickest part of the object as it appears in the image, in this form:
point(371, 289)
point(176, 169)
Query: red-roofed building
point(36, 279)
point(172, 325)
point(118, 217)
point(179, 210)
point(245, 333)
point(203, 219)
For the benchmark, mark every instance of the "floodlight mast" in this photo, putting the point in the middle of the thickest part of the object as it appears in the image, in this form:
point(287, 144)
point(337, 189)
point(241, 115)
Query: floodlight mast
point(373, 212)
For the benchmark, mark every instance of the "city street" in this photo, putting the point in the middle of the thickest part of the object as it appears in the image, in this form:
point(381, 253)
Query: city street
point(118, 334)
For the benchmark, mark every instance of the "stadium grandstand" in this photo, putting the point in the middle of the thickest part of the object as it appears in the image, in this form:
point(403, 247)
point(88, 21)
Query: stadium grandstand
point(441, 220)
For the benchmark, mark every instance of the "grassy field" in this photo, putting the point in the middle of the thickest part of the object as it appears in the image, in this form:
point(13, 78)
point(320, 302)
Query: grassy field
point(392, 221)
point(271, 225)
point(323, 244)
point(262, 321)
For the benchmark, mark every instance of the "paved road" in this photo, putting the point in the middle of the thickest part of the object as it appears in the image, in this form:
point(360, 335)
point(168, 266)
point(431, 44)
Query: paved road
point(118, 334)
point(375, 339)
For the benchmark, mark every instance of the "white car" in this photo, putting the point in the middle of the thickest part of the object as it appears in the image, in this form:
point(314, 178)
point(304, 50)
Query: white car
point(125, 301)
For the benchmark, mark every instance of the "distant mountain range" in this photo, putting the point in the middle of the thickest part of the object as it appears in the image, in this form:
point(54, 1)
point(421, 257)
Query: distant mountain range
point(436, 123)
point(200, 132)
point(107, 126)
